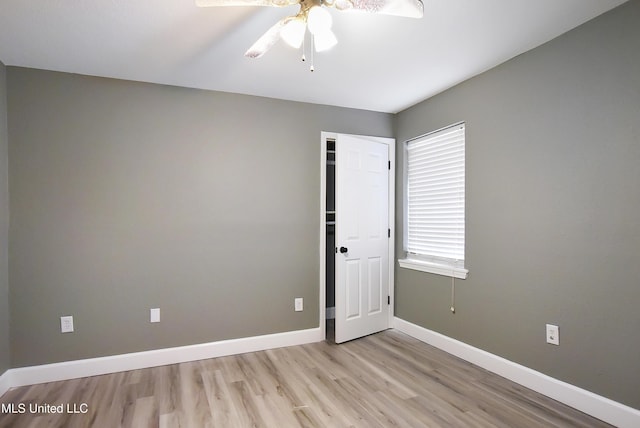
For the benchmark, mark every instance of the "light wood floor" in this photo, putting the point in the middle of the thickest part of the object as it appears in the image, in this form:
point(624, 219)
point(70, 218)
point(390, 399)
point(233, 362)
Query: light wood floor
point(384, 380)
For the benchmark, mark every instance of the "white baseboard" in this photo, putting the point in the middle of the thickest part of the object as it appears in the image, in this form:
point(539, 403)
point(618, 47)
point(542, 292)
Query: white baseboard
point(5, 382)
point(331, 313)
point(103, 365)
point(600, 407)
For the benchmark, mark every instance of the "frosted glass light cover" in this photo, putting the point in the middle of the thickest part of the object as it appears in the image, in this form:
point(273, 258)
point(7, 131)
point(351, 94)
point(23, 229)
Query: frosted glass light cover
point(318, 20)
point(293, 33)
point(324, 40)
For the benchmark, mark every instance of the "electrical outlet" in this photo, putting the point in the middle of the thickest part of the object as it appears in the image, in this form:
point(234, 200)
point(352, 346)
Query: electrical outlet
point(298, 304)
point(66, 324)
point(553, 334)
point(154, 315)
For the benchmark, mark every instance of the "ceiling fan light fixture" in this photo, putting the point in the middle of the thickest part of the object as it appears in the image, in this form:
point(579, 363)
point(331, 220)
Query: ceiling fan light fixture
point(313, 15)
point(293, 32)
point(318, 20)
point(324, 40)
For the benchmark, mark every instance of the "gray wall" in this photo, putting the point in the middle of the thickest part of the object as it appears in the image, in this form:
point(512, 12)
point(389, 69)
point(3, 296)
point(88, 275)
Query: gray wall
point(128, 196)
point(4, 226)
point(553, 208)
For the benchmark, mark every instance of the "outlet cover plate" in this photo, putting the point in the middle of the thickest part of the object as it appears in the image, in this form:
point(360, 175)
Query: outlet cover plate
point(66, 324)
point(553, 334)
point(154, 315)
point(298, 304)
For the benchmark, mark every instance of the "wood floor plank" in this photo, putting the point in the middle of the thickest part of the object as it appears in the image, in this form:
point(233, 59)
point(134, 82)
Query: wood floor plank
point(219, 398)
point(383, 380)
point(145, 413)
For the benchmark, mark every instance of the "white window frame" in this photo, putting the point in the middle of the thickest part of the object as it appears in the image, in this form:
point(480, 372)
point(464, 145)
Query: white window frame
point(431, 262)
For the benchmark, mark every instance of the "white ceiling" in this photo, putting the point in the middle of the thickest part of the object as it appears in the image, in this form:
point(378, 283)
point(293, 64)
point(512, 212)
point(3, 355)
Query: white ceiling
point(381, 63)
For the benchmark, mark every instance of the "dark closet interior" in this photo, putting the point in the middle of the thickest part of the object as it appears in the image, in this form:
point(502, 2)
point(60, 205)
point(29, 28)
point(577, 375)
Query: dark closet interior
point(331, 235)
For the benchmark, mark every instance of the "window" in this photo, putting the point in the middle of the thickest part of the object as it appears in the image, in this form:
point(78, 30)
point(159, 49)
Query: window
point(434, 211)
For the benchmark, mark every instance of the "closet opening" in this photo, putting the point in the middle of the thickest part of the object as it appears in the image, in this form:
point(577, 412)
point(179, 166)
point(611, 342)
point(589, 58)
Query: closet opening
point(330, 264)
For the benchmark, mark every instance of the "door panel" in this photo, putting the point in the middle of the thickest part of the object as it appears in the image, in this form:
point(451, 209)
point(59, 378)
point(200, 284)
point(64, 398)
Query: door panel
point(375, 285)
point(362, 220)
point(353, 286)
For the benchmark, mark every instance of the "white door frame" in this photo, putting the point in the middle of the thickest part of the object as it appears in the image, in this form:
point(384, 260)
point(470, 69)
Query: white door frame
point(390, 142)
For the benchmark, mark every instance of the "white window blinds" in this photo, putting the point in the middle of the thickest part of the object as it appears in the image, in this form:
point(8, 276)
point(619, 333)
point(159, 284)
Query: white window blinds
point(435, 196)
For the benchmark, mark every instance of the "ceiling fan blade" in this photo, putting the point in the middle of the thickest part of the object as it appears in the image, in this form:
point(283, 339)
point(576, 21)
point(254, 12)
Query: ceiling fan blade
point(406, 8)
point(267, 40)
point(276, 3)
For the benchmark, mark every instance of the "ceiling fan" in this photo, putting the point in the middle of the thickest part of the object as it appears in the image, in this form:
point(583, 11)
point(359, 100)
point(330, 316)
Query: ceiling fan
point(313, 16)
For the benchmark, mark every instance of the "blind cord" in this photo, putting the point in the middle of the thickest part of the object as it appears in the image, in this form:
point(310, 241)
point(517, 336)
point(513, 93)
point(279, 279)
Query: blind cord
point(453, 294)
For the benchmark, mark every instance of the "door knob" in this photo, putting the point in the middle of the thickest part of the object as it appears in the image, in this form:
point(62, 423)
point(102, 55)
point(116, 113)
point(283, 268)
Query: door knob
point(343, 250)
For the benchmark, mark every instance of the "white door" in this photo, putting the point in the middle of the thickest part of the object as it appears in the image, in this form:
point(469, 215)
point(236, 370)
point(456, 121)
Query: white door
point(362, 240)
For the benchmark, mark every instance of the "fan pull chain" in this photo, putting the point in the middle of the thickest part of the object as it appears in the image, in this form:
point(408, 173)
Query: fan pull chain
point(312, 49)
point(304, 58)
point(304, 50)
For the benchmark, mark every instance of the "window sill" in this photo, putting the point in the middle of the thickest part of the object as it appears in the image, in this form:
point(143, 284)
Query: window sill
point(436, 268)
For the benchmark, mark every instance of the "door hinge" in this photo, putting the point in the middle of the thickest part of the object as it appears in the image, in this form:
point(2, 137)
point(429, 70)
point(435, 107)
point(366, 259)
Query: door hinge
point(389, 165)
point(389, 233)
point(388, 300)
